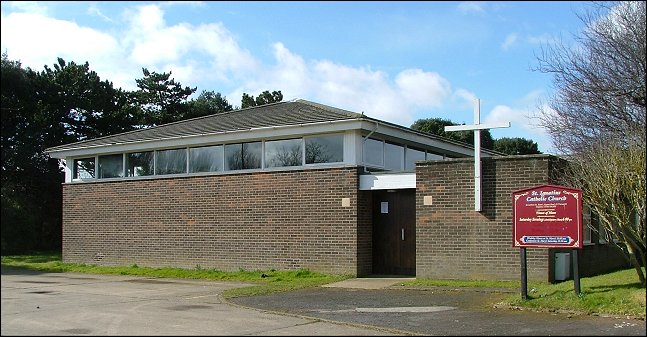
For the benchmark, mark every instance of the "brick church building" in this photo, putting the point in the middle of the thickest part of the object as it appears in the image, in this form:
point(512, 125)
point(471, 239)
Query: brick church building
point(296, 185)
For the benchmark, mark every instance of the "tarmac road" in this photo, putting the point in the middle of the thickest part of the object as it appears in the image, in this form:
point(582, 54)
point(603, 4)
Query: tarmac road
point(36, 304)
point(438, 312)
point(87, 304)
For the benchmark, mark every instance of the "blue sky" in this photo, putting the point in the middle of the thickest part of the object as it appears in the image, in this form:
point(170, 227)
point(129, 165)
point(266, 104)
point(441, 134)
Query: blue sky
point(396, 61)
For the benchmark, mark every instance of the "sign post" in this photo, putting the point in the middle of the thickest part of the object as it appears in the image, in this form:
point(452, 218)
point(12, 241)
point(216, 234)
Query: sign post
point(547, 216)
point(576, 273)
point(524, 275)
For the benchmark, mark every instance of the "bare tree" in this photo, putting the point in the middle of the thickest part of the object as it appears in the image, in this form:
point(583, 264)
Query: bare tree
point(596, 116)
point(600, 82)
point(613, 181)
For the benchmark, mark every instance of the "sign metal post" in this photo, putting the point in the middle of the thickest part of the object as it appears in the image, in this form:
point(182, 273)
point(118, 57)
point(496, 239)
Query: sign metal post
point(547, 216)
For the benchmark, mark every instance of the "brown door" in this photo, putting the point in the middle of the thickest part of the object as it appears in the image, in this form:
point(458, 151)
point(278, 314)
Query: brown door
point(394, 232)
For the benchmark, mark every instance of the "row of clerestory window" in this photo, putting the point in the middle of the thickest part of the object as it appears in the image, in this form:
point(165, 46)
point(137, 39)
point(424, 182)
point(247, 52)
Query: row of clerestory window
point(215, 158)
point(377, 153)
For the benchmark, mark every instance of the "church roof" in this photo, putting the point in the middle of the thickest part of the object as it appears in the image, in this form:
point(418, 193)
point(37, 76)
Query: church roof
point(288, 113)
point(293, 113)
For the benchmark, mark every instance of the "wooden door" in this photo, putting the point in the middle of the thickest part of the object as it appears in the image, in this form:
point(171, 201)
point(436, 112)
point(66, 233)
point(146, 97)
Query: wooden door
point(394, 232)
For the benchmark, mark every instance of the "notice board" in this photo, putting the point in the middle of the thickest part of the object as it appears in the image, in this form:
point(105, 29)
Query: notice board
point(547, 216)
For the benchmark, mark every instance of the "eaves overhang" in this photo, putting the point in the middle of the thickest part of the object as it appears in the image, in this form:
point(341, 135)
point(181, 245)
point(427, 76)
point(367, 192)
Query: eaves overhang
point(203, 139)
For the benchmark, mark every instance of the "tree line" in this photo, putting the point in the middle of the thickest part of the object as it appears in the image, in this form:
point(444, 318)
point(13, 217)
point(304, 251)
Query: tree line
point(69, 102)
point(506, 145)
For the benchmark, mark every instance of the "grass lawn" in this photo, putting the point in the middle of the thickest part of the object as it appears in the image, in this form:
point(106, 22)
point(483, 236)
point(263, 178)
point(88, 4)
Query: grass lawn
point(266, 281)
point(617, 293)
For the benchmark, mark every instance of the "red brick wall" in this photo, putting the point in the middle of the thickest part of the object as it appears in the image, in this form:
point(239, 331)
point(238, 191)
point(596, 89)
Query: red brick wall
point(262, 220)
point(455, 242)
point(364, 233)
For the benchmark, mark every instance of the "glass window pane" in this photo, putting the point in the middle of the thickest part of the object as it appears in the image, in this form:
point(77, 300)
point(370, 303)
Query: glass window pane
point(111, 166)
point(252, 155)
point(205, 159)
point(243, 156)
point(84, 168)
point(374, 152)
point(433, 156)
point(280, 153)
point(139, 164)
point(325, 149)
point(393, 157)
point(233, 157)
point(171, 161)
point(413, 155)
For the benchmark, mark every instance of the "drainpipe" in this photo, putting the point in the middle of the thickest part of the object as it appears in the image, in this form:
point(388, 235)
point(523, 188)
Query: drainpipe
point(364, 141)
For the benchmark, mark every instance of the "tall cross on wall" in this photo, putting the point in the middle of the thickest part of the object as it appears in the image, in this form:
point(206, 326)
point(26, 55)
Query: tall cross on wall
point(477, 127)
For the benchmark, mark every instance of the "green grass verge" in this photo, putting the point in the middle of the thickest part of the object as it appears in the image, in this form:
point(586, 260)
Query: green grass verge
point(263, 281)
point(461, 284)
point(618, 293)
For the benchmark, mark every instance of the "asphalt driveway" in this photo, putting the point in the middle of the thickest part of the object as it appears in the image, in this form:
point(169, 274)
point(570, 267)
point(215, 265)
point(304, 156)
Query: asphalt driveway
point(86, 304)
point(438, 312)
point(36, 304)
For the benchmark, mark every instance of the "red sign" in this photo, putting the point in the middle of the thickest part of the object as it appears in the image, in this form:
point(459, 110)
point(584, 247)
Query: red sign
point(547, 216)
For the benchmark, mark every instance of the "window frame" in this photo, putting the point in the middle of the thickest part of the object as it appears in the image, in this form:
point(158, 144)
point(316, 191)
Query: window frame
point(222, 158)
point(157, 161)
point(305, 151)
point(75, 170)
point(99, 173)
point(301, 145)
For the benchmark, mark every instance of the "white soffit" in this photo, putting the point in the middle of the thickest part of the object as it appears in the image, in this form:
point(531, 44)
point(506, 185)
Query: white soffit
point(387, 181)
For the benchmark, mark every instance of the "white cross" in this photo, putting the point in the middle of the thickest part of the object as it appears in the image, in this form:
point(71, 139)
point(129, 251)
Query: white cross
point(477, 127)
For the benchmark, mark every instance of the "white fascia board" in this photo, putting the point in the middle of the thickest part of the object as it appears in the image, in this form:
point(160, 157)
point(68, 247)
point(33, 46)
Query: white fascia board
point(255, 134)
point(268, 133)
point(389, 181)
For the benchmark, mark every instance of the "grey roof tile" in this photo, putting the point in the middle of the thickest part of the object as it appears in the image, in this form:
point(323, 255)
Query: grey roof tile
point(276, 114)
point(295, 112)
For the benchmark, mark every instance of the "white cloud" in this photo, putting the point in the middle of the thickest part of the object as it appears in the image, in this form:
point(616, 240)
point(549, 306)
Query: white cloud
point(471, 7)
point(191, 52)
point(542, 39)
point(525, 120)
point(425, 89)
point(152, 42)
point(37, 40)
point(290, 73)
point(466, 96)
point(373, 92)
point(533, 97)
point(358, 89)
point(94, 10)
point(209, 53)
point(510, 40)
